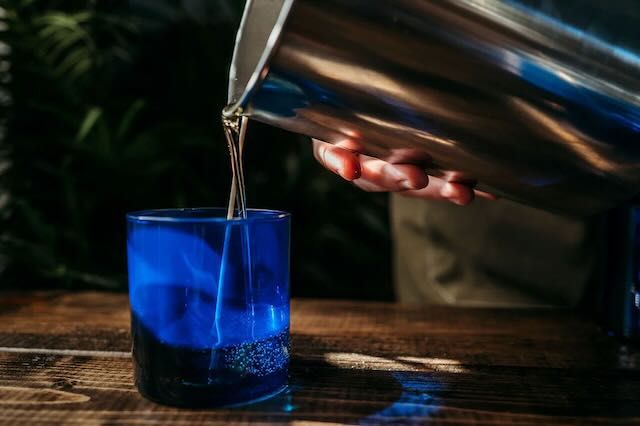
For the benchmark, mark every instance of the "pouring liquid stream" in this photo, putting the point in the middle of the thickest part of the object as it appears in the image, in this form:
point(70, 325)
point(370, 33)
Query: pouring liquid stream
point(235, 130)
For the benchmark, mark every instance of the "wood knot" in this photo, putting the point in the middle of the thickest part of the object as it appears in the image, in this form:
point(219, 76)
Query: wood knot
point(63, 384)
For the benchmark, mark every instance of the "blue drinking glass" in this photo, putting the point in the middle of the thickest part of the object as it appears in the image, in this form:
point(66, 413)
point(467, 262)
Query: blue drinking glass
point(209, 304)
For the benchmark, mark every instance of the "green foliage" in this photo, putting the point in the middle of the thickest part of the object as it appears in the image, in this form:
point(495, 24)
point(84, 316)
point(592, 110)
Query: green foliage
point(114, 106)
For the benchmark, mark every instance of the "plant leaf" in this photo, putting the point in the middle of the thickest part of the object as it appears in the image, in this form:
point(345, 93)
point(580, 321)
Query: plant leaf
point(128, 118)
point(90, 120)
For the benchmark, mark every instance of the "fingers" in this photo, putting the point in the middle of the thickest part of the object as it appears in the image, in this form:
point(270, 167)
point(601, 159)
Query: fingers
point(380, 176)
point(342, 162)
point(438, 189)
point(374, 175)
point(457, 193)
point(369, 173)
point(485, 195)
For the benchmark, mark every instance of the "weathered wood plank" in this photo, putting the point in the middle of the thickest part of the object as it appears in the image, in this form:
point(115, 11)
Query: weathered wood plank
point(80, 389)
point(64, 360)
point(52, 312)
point(100, 322)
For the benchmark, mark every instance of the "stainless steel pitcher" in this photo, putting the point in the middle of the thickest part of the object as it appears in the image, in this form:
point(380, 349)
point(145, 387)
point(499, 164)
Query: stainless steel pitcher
point(527, 101)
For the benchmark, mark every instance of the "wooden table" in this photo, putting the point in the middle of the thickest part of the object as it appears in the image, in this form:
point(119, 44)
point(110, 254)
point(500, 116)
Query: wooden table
point(64, 359)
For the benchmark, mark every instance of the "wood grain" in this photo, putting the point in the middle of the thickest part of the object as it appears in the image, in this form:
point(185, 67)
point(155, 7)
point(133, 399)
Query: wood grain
point(64, 360)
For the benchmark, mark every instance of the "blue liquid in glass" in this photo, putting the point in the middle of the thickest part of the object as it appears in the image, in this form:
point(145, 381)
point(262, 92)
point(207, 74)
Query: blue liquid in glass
point(210, 324)
point(170, 369)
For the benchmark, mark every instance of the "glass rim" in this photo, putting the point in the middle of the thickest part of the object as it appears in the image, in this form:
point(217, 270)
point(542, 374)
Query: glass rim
point(177, 215)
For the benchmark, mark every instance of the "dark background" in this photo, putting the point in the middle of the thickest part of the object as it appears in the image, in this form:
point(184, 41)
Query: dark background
point(109, 107)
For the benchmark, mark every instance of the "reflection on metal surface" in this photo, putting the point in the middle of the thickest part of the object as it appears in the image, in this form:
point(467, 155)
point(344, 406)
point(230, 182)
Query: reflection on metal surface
point(578, 143)
point(539, 104)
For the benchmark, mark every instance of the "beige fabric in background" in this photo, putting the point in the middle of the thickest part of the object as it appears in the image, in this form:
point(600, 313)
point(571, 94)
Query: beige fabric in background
point(488, 254)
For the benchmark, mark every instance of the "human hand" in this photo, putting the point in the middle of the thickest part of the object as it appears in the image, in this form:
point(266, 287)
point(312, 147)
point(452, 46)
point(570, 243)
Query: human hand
point(374, 175)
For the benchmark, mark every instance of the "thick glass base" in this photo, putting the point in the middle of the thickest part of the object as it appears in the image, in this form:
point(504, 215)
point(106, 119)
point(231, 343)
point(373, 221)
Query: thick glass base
point(199, 396)
point(186, 377)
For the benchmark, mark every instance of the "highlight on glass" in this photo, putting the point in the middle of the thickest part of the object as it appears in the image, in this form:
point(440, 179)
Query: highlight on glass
point(209, 302)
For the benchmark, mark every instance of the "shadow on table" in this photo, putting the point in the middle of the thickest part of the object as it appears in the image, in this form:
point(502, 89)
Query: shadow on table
point(321, 391)
point(361, 389)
